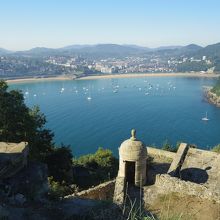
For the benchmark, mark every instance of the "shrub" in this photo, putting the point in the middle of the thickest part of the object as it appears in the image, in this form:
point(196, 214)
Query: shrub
point(59, 162)
point(58, 190)
point(169, 147)
point(216, 148)
point(98, 167)
point(216, 88)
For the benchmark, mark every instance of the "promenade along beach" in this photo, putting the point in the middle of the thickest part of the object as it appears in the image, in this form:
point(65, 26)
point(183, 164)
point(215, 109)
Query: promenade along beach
point(110, 76)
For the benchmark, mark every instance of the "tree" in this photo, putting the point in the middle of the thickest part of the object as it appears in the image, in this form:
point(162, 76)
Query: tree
point(60, 164)
point(20, 123)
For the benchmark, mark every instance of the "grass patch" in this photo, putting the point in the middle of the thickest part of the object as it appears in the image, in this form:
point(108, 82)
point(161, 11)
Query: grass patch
point(216, 148)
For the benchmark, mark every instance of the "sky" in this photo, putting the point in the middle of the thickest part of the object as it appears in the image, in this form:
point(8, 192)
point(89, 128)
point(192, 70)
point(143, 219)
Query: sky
point(25, 24)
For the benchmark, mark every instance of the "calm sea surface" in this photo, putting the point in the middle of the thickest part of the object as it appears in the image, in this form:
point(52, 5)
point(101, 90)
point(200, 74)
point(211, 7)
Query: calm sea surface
point(160, 109)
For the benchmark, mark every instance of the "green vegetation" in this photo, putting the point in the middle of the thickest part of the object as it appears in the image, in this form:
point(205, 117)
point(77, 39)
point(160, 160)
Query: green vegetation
point(60, 189)
point(134, 210)
point(20, 66)
point(216, 148)
point(106, 210)
point(59, 163)
point(216, 88)
point(20, 123)
point(213, 53)
point(193, 66)
point(95, 168)
point(169, 147)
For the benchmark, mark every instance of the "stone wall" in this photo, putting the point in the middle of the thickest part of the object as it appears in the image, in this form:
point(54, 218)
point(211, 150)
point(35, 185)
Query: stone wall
point(158, 152)
point(201, 166)
point(103, 191)
point(197, 166)
point(167, 184)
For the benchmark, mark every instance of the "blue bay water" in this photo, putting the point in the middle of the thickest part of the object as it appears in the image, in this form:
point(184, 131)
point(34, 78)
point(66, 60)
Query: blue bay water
point(167, 108)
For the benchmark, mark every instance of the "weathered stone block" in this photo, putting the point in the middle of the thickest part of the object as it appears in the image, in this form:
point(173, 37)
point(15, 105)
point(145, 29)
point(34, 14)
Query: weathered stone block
point(119, 193)
point(13, 157)
point(178, 159)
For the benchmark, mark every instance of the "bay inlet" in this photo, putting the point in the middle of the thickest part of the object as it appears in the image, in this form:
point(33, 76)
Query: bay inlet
point(88, 114)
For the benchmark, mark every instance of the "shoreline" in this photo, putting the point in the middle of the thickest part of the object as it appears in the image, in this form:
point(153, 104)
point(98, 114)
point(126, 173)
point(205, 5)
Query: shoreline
point(212, 98)
point(137, 75)
point(112, 76)
point(30, 80)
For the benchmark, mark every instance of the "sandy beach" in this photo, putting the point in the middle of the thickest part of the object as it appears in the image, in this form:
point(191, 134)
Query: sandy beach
point(57, 78)
point(112, 76)
point(135, 75)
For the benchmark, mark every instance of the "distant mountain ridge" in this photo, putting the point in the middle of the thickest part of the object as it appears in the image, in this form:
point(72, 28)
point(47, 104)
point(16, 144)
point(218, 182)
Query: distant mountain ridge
point(211, 50)
point(4, 51)
point(107, 50)
point(98, 46)
point(117, 50)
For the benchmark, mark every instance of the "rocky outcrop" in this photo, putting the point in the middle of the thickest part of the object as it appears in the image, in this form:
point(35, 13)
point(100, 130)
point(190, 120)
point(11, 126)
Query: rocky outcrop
point(193, 172)
point(20, 180)
point(166, 184)
point(13, 157)
point(30, 183)
point(212, 97)
point(197, 166)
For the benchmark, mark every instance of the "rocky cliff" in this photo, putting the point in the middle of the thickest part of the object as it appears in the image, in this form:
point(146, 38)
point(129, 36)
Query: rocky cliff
point(212, 97)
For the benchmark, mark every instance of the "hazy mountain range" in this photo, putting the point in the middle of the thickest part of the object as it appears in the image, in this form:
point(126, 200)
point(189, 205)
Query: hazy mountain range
point(116, 50)
point(4, 51)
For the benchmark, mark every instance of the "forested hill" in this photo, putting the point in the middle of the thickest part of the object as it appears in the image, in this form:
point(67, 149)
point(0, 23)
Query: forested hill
point(213, 53)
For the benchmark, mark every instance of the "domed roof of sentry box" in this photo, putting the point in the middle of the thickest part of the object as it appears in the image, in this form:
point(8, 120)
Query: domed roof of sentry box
point(133, 149)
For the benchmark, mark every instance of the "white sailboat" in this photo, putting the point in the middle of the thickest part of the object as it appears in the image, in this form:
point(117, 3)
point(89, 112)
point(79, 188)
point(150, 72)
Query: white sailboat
point(89, 97)
point(205, 118)
point(27, 92)
point(62, 89)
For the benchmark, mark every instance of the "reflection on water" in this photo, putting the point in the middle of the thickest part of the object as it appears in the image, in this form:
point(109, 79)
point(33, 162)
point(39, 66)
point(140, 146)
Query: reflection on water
point(89, 114)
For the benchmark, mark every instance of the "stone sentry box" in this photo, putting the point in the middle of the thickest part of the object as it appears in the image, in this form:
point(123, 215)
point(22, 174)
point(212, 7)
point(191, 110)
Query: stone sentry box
point(132, 161)
point(132, 167)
